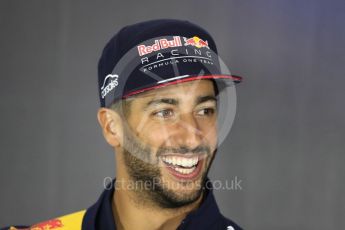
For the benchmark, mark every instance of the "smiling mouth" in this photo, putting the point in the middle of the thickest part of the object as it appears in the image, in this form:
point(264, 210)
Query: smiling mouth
point(186, 167)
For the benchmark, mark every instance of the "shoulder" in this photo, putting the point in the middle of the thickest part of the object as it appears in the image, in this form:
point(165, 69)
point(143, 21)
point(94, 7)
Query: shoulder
point(70, 221)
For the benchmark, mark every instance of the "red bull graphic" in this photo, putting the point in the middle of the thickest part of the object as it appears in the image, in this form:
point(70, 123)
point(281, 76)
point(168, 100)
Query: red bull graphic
point(50, 224)
point(159, 45)
point(196, 41)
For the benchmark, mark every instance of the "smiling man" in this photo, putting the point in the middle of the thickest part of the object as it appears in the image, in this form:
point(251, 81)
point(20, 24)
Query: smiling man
point(164, 96)
point(169, 143)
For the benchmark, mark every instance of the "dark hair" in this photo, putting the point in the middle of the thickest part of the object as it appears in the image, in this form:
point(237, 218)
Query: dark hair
point(122, 107)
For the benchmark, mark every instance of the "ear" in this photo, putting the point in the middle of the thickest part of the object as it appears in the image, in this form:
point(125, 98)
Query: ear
point(111, 124)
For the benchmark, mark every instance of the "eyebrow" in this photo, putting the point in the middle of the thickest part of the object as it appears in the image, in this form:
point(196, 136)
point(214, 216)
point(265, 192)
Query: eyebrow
point(172, 101)
point(202, 99)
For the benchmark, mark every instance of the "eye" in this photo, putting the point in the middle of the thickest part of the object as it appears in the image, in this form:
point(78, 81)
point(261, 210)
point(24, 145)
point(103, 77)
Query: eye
point(164, 113)
point(206, 112)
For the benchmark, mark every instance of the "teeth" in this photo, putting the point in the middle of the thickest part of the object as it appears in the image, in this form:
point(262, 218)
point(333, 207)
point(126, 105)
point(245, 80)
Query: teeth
point(185, 171)
point(181, 161)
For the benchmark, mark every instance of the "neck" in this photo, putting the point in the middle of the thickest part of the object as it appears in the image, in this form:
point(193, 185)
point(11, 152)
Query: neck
point(131, 213)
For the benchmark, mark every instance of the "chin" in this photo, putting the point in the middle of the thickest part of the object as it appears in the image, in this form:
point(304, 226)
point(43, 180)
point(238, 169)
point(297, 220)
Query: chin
point(175, 194)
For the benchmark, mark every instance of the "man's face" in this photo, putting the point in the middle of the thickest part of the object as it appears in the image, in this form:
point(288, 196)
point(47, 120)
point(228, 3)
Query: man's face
point(170, 141)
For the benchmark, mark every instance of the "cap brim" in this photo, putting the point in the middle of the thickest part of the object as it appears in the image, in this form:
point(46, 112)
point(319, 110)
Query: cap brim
point(181, 79)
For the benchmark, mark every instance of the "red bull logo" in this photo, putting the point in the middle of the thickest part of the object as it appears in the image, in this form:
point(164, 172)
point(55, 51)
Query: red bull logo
point(50, 224)
point(196, 41)
point(159, 45)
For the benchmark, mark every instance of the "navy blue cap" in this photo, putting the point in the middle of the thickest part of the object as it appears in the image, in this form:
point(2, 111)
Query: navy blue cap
point(157, 53)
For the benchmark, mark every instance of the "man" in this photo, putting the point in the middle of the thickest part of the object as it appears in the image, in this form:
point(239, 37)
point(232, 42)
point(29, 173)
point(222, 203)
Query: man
point(160, 85)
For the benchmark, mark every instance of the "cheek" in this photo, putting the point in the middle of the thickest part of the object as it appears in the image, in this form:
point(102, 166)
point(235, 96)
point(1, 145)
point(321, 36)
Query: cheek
point(210, 136)
point(155, 135)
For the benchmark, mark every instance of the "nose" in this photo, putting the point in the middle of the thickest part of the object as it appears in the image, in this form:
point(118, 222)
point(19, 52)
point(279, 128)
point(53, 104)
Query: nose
point(189, 133)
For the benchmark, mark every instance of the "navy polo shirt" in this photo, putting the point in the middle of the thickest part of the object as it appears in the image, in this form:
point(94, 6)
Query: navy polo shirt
point(207, 216)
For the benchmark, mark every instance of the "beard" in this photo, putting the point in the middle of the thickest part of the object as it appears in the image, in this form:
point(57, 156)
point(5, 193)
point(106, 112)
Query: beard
point(143, 169)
